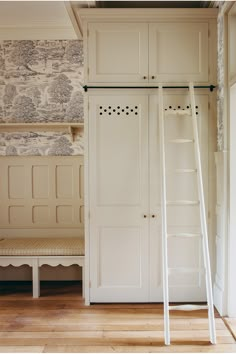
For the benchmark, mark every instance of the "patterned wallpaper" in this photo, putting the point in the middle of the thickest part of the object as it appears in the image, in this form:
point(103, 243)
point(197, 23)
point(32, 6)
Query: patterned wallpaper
point(41, 81)
point(221, 67)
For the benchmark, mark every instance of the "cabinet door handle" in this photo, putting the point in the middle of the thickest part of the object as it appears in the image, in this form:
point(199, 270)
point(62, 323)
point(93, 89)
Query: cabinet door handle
point(144, 215)
point(153, 216)
point(144, 77)
point(153, 77)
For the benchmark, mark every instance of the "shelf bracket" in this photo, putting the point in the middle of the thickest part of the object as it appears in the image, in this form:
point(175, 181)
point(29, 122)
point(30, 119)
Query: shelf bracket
point(71, 131)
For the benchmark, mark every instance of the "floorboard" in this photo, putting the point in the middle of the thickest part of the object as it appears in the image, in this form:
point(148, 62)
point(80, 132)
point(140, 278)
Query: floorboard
point(231, 324)
point(59, 322)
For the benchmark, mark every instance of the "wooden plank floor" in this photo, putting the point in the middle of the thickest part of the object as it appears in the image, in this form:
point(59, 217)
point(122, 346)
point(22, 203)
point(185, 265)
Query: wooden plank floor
point(231, 324)
point(59, 322)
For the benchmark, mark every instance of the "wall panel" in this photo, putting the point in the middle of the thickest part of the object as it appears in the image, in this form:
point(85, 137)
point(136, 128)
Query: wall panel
point(41, 192)
point(41, 196)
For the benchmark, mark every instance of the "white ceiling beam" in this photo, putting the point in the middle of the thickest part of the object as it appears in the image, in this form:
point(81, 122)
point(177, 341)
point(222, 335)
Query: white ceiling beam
point(75, 23)
point(32, 20)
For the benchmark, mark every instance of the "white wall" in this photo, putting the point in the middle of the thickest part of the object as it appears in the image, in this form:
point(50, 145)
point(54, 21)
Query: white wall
point(232, 208)
point(224, 284)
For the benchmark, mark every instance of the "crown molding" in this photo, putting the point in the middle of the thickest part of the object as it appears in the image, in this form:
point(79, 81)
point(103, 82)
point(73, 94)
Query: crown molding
point(144, 14)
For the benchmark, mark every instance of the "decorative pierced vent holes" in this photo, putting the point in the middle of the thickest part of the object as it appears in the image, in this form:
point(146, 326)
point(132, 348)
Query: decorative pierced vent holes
point(183, 108)
point(118, 111)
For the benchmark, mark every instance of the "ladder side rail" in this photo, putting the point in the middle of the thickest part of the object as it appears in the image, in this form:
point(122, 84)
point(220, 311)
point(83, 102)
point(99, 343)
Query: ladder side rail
point(206, 257)
point(164, 219)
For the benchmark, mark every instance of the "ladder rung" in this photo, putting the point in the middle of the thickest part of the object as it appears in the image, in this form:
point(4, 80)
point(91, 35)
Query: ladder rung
point(182, 112)
point(185, 270)
point(188, 307)
point(182, 202)
point(185, 170)
point(181, 141)
point(184, 235)
point(181, 170)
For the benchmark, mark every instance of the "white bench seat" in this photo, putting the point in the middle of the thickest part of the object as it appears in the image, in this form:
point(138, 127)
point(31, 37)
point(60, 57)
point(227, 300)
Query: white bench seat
point(36, 252)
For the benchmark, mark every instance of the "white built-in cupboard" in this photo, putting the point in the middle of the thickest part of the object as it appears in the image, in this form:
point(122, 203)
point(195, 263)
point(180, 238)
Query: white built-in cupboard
point(123, 212)
point(148, 52)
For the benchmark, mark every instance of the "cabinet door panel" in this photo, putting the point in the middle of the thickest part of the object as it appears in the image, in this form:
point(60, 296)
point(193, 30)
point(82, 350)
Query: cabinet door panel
point(117, 156)
point(117, 52)
point(180, 185)
point(118, 169)
point(178, 52)
point(119, 257)
point(185, 253)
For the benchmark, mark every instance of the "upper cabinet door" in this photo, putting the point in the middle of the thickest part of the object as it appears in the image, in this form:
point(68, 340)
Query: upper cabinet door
point(178, 52)
point(118, 52)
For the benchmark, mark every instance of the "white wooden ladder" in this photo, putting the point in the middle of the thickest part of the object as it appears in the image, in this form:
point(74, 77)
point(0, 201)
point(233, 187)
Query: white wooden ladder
point(165, 235)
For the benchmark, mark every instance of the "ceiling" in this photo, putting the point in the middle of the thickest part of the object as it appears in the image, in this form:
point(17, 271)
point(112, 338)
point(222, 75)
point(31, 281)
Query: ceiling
point(36, 20)
point(56, 20)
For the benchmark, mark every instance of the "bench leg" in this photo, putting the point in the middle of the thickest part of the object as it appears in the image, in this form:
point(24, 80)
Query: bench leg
point(35, 279)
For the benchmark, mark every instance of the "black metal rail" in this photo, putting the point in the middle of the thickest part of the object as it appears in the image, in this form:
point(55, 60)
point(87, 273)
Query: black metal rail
point(86, 88)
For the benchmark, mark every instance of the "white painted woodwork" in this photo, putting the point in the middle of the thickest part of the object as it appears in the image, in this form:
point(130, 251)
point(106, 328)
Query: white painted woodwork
point(231, 45)
point(71, 128)
point(164, 232)
point(32, 20)
point(188, 307)
point(232, 208)
point(178, 52)
point(148, 52)
point(41, 196)
point(124, 184)
point(180, 185)
point(118, 52)
point(203, 219)
point(155, 286)
point(144, 15)
point(173, 46)
point(41, 193)
point(118, 180)
point(229, 177)
point(220, 282)
point(224, 285)
point(35, 262)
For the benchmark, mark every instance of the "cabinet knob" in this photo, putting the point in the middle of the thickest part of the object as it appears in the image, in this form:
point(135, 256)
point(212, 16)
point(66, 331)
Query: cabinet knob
point(144, 77)
point(144, 215)
point(153, 216)
point(153, 77)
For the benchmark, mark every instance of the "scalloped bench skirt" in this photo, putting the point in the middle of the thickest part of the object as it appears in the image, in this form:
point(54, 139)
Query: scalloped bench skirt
point(40, 251)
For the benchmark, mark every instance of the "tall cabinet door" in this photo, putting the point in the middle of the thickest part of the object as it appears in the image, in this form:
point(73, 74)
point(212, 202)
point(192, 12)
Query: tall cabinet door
point(155, 285)
point(118, 198)
point(118, 52)
point(186, 274)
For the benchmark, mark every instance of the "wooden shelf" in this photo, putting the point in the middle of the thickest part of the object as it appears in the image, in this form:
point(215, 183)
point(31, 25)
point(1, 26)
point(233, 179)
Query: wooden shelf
point(72, 128)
